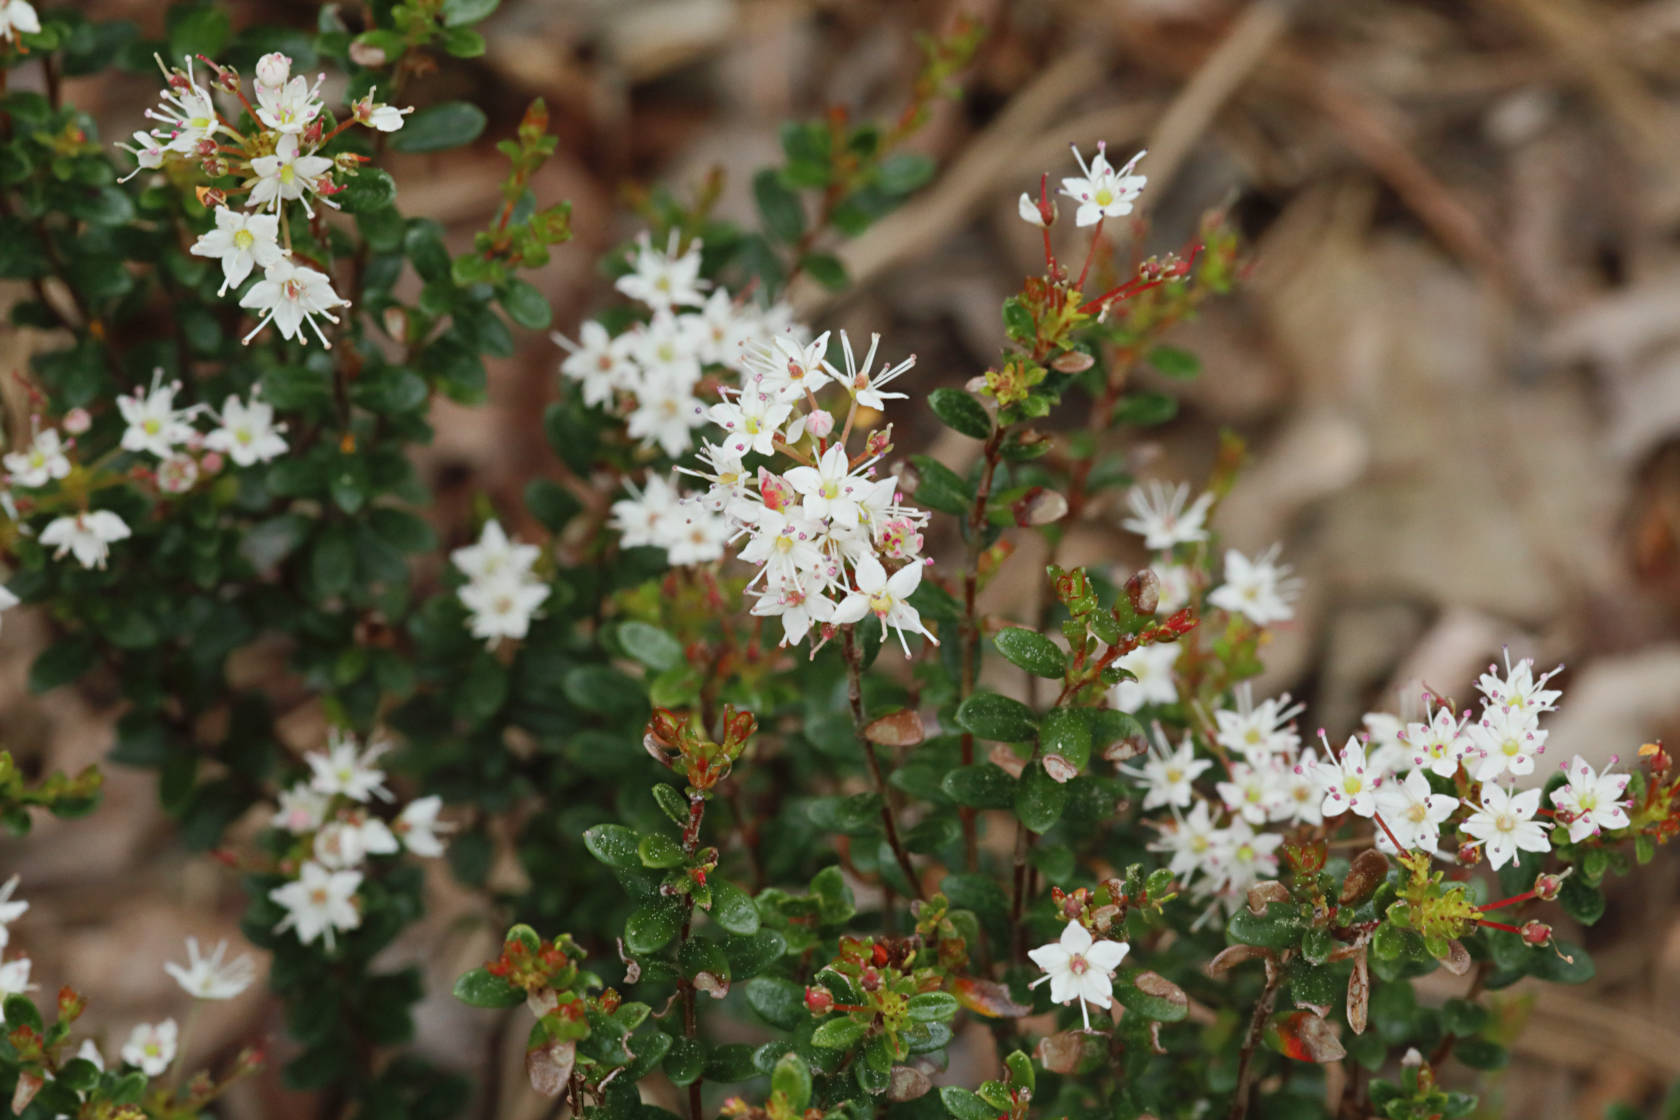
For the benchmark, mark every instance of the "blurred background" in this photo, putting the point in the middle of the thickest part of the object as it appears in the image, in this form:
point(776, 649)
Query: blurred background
point(1455, 359)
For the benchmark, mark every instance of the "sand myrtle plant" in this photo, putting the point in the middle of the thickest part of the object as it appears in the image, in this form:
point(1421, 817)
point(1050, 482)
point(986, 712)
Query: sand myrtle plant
point(762, 810)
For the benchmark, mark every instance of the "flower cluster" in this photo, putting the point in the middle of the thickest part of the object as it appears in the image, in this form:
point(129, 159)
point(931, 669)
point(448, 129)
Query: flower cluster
point(502, 592)
point(47, 475)
point(276, 148)
point(333, 830)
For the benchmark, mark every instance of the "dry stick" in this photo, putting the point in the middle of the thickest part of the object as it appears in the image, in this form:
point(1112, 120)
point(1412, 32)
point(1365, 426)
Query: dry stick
point(1256, 1024)
point(854, 694)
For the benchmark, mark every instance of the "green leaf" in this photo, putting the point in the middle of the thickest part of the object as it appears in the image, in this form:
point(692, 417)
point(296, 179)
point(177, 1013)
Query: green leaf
point(1175, 363)
point(1151, 995)
point(964, 1105)
point(459, 13)
point(196, 30)
point(1146, 409)
point(21, 1012)
point(614, 845)
point(658, 850)
point(933, 1007)
point(732, 908)
point(961, 412)
point(526, 305)
point(792, 1078)
point(480, 989)
point(650, 645)
point(838, 1033)
point(1581, 901)
point(464, 42)
point(1039, 799)
point(652, 927)
point(1279, 927)
point(60, 663)
point(440, 127)
point(825, 269)
point(1031, 651)
point(778, 1001)
point(939, 487)
point(672, 803)
point(784, 217)
point(685, 1061)
point(1067, 732)
point(905, 172)
point(991, 716)
point(984, 786)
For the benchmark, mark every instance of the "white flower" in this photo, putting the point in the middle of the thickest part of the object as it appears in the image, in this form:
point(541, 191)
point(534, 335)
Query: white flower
point(495, 554)
point(1104, 192)
point(147, 151)
point(289, 107)
point(1079, 969)
point(1438, 743)
point(752, 420)
point(1413, 812)
point(1254, 793)
point(291, 295)
point(664, 280)
point(380, 118)
point(88, 1052)
point(155, 425)
point(1345, 782)
point(1176, 586)
point(791, 598)
point(1257, 589)
point(857, 381)
point(302, 809)
point(503, 606)
point(1592, 801)
point(1505, 824)
point(318, 903)
point(248, 433)
point(14, 978)
point(886, 597)
point(1385, 742)
point(16, 16)
point(151, 1047)
point(666, 413)
point(1245, 857)
point(349, 840)
point(1153, 667)
point(1194, 841)
point(648, 517)
point(9, 911)
point(1160, 517)
point(286, 175)
point(1519, 690)
point(344, 768)
point(42, 462)
point(209, 977)
point(240, 241)
point(1166, 775)
point(727, 479)
point(831, 489)
point(699, 540)
point(785, 369)
point(417, 826)
point(177, 474)
point(187, 116)
point(1508, 740)
point(87, 535)
point(1258, 732)
point(1299, 792)
point(602, 364)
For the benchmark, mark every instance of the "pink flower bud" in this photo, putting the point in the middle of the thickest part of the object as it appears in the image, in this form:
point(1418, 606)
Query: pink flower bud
point(819, 424)
point(273, 70)
point(212, 463)
point(1536, 933)
point(819, 1001)
point(77, 421)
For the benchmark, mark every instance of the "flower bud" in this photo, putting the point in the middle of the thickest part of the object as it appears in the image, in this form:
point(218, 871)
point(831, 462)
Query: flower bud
point(1536, 933)
point(273, 69)
point(820, 423)
point(77, 421)
point(819, 1001)
point(870, 980)
point(1367, 873)
point(1546, 887)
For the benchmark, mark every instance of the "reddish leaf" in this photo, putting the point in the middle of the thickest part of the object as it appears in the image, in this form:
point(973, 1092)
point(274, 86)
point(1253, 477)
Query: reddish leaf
point(988, 998)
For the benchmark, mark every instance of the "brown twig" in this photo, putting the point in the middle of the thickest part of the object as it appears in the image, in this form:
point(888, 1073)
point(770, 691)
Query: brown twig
point(1256, 1025)
point(854, 694)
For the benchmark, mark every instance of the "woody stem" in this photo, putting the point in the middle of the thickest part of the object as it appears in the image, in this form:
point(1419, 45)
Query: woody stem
point(854, 694)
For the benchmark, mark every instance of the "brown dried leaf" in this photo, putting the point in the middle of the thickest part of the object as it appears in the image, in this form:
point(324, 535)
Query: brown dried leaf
point(1262, 895)
point(1061, 1052)
point(1072, 361)
point(1124, 750)
point(1059, 768)
point(906, 1083)
point(1359, 995)
point(1233, 955)
point(712, 984)
point(1457, 961)
point(1006, 760)
point(1369, 869)
point(988, 998)
point(541, 1001)
point(1154, 984)
point(28, 1084)
point(550, 1067)
point(900, 729)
